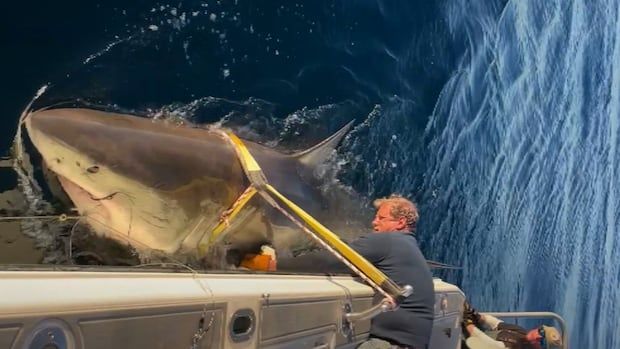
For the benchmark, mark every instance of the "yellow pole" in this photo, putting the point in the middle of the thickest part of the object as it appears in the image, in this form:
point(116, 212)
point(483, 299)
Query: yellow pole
point(257, 178)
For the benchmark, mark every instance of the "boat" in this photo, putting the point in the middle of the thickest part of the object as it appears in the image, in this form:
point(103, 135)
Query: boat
point(85, 307)
point(95, 308)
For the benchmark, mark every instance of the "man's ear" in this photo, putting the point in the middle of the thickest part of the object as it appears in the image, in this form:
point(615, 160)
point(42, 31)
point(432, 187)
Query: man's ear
point(402, 223)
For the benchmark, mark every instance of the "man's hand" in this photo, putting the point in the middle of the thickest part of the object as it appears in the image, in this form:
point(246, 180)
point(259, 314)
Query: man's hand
point(470, 315)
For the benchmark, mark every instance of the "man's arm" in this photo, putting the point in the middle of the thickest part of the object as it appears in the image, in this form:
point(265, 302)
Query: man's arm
point(479, 340)
point(490, 321)
point(369, 246)
point(313, 262)
point(373, 247)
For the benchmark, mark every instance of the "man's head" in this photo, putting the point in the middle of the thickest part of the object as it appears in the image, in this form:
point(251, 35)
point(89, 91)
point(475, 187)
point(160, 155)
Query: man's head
point(395, 213)
point(546, 336)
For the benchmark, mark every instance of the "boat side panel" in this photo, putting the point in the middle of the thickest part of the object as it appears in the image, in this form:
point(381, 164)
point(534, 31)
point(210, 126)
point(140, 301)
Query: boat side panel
point(161, 310)
point(448, 317)
point(7, 336)
point(154, 310)
point(165, 328)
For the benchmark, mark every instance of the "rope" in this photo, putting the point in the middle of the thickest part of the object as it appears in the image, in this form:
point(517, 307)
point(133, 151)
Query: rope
point(237, 205)
point(63, 217)
point(202, 329)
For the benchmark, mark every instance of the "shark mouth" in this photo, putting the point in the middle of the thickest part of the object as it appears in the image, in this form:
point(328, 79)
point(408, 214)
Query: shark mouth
point(103, 212)
point(105, 246)
point(86, 204)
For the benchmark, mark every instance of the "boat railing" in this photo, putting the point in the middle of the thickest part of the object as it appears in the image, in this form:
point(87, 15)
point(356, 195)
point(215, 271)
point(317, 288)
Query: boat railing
point(537, 315)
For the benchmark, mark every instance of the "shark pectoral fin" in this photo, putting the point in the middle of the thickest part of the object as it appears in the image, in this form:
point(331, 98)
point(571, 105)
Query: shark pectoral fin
point(319, 153)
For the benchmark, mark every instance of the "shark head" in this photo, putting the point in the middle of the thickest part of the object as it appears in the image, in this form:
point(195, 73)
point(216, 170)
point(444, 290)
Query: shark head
point(163, 187)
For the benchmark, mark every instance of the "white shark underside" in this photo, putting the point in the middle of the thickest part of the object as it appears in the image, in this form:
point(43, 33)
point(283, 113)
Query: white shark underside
point(163, 187)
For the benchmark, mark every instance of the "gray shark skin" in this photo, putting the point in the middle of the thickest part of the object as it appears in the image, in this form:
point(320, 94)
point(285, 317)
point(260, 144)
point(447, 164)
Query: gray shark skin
point(162, 187)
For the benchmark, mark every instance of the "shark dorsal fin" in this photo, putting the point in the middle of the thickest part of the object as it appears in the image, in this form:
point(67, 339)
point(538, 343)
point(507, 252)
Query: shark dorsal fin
point(317, 154)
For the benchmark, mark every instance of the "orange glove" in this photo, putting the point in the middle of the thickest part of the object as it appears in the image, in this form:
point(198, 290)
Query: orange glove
point(265, 261)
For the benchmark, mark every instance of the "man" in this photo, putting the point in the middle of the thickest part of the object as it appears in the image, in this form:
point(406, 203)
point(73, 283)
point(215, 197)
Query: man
point(393, 249)
point(502, 335)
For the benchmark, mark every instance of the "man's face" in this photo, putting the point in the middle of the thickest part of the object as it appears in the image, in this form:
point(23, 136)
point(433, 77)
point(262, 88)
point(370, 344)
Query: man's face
point(384, 222)
point(533, 337)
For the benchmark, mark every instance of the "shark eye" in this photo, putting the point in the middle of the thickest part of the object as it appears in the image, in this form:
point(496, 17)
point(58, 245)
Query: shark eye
point(93, 169)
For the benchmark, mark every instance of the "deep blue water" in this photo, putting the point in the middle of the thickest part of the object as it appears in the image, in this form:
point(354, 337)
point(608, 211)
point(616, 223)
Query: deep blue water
point(500, 118)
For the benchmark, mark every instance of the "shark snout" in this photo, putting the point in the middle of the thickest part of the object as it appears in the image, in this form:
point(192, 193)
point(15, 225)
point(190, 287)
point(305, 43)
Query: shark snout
point(51, 124)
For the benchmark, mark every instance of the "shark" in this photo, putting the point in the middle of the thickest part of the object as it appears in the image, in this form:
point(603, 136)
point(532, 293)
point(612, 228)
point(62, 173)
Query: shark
point(162, 187)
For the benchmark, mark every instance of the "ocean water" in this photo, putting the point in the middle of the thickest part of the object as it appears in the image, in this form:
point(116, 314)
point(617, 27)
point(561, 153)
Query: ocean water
point(500, 118)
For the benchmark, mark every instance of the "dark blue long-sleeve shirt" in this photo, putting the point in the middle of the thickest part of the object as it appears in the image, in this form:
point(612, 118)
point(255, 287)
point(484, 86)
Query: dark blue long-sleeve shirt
point(398, 256)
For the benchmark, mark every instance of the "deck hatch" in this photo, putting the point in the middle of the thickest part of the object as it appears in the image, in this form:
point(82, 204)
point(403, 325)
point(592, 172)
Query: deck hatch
point(287, 318)
point(165, 329)
point(7, 336)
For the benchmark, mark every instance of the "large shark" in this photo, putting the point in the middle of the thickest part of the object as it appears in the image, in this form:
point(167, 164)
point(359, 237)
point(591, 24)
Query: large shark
point(163, 187)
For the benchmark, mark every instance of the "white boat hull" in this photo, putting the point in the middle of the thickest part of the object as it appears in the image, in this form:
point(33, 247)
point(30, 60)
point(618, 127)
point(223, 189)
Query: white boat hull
point(74, 309)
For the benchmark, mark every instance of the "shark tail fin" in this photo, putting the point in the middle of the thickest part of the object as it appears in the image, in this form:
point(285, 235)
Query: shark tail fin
point(319, 153)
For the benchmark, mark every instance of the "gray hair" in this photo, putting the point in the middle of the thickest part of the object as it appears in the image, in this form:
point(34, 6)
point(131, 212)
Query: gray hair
point(401, 207)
